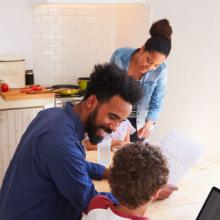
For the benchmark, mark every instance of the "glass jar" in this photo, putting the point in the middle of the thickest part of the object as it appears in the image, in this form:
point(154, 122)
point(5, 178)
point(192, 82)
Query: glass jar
point(29, 77)
point(1, 81)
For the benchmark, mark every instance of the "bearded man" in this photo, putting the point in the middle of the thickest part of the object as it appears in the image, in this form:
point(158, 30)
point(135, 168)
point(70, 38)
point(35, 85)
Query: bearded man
point(48, 177)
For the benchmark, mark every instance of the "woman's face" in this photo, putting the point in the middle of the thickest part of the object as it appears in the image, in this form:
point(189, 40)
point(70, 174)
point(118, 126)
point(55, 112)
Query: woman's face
point(148, 61)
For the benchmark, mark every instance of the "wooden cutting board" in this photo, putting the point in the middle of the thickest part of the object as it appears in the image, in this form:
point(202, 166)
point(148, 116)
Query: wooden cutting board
point(16, 94)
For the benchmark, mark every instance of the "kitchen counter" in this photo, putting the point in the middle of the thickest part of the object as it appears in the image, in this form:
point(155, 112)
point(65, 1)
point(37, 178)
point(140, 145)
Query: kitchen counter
point(14, 99)
point(26, 103)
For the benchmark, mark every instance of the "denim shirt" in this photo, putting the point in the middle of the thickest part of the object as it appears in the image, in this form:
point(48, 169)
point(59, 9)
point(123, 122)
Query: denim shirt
point(153, 84)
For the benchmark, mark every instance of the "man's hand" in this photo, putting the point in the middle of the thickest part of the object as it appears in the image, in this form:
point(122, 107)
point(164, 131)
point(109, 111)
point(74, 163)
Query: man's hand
point(166, 191)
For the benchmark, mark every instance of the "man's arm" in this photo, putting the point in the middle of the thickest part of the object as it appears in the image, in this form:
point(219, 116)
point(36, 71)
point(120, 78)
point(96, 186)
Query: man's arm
point(95, 171)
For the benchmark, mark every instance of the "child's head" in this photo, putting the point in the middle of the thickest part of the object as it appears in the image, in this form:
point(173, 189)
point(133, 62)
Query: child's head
point(137, 173)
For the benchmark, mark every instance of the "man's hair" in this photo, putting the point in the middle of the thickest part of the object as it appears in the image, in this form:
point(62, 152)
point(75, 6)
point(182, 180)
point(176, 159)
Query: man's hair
point(138, 171)
point(108, 80)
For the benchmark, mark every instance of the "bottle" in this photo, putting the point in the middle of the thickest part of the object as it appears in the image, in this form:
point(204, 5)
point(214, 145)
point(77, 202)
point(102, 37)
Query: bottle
point(29, 77)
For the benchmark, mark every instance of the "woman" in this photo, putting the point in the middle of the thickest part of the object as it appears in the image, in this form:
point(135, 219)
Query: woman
point(146, 64)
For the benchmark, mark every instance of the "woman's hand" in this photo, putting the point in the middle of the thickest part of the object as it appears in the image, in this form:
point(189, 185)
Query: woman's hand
point(146, 130)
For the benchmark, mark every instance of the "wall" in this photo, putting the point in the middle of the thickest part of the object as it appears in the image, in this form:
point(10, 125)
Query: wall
point(70, 39)
point(192, 103)
point(16, 29)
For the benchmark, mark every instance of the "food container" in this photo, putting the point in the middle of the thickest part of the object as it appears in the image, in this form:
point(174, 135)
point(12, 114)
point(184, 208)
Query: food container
point(12, 71)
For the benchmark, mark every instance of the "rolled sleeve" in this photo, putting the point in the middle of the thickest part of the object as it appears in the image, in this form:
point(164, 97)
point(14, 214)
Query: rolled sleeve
point(157, 98)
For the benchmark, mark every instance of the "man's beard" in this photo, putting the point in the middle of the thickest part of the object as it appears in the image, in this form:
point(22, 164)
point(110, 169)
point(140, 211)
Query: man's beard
point(92, 128)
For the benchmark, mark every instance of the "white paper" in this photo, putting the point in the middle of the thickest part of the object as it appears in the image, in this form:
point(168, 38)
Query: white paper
point(181, 153)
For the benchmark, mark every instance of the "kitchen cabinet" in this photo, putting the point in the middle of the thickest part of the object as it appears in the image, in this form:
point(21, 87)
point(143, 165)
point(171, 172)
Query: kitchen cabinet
point(13, 123)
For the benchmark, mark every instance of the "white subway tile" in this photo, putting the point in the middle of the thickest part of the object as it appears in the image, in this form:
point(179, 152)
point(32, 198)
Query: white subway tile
point(37, 19)
point(89, 19)
point(62, 35)
point(63, 20)
point(41, 11)
point(41, 28)
point(96, 27)
point(76, 19)
point(48, 35)
point(55, 11)
point(82, 27)
point(76, 35)
point(69, 41)
point(62, 50)
point(55, 43)
point(106, 19)
point(83, 11)
point(68, 11)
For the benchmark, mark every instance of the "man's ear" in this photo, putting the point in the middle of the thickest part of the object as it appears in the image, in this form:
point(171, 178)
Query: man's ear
point(91, 102)
point(142, 48)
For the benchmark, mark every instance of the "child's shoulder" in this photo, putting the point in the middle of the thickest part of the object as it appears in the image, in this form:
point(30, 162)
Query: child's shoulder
point(99, 202)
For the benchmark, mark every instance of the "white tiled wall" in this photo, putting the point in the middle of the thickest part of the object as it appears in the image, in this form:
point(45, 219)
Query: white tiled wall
point(69, 40)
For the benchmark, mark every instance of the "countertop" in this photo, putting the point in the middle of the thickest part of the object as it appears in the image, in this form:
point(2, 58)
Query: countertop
point(22, 100)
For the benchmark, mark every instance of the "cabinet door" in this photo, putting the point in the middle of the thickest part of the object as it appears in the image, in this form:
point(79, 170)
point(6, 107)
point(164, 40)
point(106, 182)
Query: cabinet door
point(3, 142)
point(13, 123)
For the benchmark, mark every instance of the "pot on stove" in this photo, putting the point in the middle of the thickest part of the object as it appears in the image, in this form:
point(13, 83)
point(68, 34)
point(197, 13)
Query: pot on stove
point(82, 82)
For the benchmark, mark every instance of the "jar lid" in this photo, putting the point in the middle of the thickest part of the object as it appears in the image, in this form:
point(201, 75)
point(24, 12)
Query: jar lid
point(29, 72)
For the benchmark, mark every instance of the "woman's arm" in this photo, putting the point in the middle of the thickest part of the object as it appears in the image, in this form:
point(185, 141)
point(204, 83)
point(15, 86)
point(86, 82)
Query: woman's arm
point(157, 98)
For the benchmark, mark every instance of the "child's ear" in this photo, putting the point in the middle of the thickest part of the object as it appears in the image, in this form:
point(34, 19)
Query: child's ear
point(155, 195)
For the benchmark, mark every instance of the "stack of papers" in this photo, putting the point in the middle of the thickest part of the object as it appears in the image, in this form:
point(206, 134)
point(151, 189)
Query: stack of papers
point(181, 153)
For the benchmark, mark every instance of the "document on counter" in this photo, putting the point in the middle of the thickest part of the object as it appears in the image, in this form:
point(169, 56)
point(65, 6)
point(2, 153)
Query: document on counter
point(181, 153)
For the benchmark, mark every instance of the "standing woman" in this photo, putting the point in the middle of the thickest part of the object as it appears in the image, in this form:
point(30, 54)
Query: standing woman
point(146, 64)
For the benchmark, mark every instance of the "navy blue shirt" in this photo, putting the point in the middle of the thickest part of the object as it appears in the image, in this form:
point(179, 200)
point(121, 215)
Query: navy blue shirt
point(48, 177)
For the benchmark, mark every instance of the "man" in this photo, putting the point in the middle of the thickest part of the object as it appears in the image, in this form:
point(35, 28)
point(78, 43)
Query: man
point(48, 177)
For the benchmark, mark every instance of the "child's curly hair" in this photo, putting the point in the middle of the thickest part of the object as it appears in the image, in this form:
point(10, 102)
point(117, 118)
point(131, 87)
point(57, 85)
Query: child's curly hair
point(138, 171)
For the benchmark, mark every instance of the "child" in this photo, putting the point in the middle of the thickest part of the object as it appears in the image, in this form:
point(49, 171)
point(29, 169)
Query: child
point(136, 176)
point(119, 138)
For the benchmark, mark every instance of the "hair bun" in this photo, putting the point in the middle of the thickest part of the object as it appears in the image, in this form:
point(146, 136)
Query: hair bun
point(161, 28)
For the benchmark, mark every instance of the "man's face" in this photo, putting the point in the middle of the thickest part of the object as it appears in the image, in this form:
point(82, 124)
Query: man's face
point(106, 117)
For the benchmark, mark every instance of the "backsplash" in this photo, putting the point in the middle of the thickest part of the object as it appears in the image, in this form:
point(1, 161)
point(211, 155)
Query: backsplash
point(69, 40)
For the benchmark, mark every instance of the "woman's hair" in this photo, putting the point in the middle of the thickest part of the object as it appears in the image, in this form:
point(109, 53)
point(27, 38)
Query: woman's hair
point(160, 39)
point(138, 171)
point(109, 80)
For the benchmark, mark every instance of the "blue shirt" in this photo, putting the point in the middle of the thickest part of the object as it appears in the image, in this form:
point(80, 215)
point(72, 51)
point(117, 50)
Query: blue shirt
point(153, 83)
point(48, 177)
